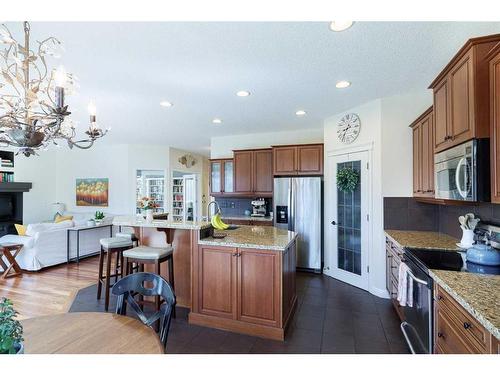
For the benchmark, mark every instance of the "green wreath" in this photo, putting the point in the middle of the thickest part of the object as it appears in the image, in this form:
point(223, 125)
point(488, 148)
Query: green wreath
point(347, 179)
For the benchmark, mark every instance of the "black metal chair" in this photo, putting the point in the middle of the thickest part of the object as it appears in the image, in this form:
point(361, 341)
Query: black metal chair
point(131, 285)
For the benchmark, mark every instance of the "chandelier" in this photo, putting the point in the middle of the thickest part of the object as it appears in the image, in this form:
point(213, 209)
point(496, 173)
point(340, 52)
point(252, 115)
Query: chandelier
point(33, 113)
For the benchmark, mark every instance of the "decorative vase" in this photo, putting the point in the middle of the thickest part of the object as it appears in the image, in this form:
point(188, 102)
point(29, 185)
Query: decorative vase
point(19, 348)
point(467, 238)
point(149, 216)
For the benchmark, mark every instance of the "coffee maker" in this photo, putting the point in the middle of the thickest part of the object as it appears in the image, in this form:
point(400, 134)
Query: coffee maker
point(259, 207)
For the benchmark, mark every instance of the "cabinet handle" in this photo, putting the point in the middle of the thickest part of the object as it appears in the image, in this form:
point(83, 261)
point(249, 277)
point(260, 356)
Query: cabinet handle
point(467, 325)
point(440, 298)
point(440, 335)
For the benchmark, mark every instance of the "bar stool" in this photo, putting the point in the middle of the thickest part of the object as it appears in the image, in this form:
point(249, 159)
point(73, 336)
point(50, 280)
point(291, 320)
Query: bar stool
point(131, 236)
point(151, 255)
point(110, 246)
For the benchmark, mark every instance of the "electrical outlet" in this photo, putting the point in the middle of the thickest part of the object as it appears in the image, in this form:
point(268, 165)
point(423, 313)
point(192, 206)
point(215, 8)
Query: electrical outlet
point(232, 204)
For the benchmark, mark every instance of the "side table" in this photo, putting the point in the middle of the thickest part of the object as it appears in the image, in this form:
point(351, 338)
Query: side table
point(10, 252)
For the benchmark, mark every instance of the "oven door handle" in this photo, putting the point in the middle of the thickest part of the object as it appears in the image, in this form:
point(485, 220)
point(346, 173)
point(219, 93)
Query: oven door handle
point(462, 164)
point(403, 327)
point(416, 279)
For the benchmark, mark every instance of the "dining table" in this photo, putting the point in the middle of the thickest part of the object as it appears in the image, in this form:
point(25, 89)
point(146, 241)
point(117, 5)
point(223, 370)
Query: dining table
point(89, 333)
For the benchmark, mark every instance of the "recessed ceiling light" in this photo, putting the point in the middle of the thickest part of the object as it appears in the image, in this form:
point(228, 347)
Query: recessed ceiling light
point(243, 93)
point(342, 84)
point(165, 103)
point(340, 25)
point(301, 112)
point(217, 121)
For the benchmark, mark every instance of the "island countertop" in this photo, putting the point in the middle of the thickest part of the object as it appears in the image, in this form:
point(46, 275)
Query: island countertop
point(133, 221)
point(253, 237)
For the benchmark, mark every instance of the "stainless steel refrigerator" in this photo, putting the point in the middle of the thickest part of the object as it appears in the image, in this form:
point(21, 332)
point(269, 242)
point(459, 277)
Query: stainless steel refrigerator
point(298, 205)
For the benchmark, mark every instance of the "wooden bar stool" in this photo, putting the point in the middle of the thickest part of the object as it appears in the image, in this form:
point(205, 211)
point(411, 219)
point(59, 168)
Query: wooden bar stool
point(151, 255)
point(110, 246)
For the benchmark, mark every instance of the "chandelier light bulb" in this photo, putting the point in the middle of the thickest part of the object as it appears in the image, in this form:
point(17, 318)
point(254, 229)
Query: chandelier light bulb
point(92, 109)
point(60, 76)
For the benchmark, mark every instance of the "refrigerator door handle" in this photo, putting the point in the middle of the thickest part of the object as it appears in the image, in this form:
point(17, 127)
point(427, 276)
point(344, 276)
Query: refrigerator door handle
point(290, 206)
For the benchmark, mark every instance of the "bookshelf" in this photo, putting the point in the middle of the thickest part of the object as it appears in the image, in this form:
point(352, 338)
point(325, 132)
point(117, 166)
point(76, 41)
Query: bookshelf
point(6, 166)
point(178, 199)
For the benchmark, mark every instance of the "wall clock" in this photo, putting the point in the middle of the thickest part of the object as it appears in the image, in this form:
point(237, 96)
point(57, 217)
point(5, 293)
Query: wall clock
point(349, 127)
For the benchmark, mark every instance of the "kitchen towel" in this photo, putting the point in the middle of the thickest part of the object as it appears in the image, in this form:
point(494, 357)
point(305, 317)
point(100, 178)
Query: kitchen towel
point(405, 286)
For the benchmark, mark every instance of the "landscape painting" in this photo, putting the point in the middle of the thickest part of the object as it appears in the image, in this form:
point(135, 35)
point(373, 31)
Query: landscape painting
point(92, 192)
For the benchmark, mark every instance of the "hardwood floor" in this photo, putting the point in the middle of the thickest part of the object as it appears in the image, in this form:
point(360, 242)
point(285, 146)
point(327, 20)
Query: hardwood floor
point(51, 290)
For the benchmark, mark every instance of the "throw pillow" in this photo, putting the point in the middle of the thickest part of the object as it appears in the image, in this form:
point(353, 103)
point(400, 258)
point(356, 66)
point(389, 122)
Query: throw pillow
point(21, 229)
point(62, 218)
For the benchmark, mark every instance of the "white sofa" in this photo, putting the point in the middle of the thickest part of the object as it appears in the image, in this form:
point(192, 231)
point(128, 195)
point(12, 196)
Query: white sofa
point(45, 244)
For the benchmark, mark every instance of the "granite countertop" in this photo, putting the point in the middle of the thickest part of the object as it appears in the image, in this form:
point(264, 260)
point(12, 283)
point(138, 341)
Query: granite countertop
point(133, 221)
point(423, 239)
point(252, 237)
point(478, 294)
point(244, 217)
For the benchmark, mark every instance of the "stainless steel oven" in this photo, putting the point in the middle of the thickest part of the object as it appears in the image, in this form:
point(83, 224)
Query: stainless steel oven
point(463, 172)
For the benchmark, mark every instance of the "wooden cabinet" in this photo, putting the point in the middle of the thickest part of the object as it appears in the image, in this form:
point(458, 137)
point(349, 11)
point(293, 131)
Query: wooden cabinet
point(217, 281)
point(423, 155)
point(263, 172)
point(243, 172)
point(258, 286)
point(393, 257)
point(253, 172)
point(304, 160)
point(456, 331)
point(494, 67)
point(461, 95)
point(221, 176)
point(250, 291)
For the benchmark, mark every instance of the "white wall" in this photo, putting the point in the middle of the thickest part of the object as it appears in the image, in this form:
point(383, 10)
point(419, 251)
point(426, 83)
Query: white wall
point(222, 147)
point(384, 124)
point(41, 172)
point(398, 112)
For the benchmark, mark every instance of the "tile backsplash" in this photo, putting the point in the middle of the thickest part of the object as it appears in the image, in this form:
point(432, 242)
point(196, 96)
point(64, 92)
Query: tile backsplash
point(409, 214)
point(237, 206)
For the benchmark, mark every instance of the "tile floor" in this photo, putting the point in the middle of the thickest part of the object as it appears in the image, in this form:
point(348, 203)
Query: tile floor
point(331, 317)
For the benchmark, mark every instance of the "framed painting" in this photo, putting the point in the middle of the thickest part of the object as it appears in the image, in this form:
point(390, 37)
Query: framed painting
point(92, 192)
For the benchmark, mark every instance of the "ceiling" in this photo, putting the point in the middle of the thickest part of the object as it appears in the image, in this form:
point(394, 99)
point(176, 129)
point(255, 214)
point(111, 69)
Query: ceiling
point(128, 68)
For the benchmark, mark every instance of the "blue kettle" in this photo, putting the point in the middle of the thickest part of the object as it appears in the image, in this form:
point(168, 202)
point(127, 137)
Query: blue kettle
point(483, 254)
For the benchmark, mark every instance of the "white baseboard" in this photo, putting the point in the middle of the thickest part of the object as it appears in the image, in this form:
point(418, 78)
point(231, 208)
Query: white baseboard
point(382, 293)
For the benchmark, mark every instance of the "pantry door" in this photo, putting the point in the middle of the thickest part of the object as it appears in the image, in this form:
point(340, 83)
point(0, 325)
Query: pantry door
point(347, 221)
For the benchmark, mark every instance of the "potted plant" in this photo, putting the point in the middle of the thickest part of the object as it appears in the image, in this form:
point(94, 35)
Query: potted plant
point(98, 217)
point(147, 205)
point(11, 331)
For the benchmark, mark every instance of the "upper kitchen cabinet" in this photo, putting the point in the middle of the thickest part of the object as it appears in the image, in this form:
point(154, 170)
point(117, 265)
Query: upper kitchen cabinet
point(253, 172)
point(221, 176)
point(494, 67)
point(461, 95)
point(423, 155)
point(304, 160)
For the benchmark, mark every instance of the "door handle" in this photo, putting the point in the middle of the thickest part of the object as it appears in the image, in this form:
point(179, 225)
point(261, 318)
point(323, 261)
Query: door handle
point(333, 222)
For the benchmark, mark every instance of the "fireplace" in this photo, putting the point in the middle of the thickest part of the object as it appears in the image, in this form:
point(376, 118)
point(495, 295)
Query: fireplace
point(11, 205)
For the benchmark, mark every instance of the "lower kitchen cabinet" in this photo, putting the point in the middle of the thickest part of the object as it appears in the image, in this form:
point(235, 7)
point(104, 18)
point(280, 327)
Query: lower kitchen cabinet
point(393, 257)
point(456, 331)
point(249, 291)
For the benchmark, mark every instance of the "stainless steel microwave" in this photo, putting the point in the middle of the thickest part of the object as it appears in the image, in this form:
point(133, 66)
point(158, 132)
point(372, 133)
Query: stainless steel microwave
point(463, 172)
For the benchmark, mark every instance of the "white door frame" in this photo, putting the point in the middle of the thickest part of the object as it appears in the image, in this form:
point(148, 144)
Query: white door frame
point(199, 196)
point(330, 214)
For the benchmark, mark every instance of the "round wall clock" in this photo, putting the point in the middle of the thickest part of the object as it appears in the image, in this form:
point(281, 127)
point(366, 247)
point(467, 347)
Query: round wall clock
point(348, 128)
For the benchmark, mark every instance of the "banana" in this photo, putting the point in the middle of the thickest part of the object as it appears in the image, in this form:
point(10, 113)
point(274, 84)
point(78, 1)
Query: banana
point(217, 222)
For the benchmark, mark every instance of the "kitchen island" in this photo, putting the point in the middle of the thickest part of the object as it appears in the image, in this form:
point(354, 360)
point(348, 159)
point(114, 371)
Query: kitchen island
point(245, 282)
